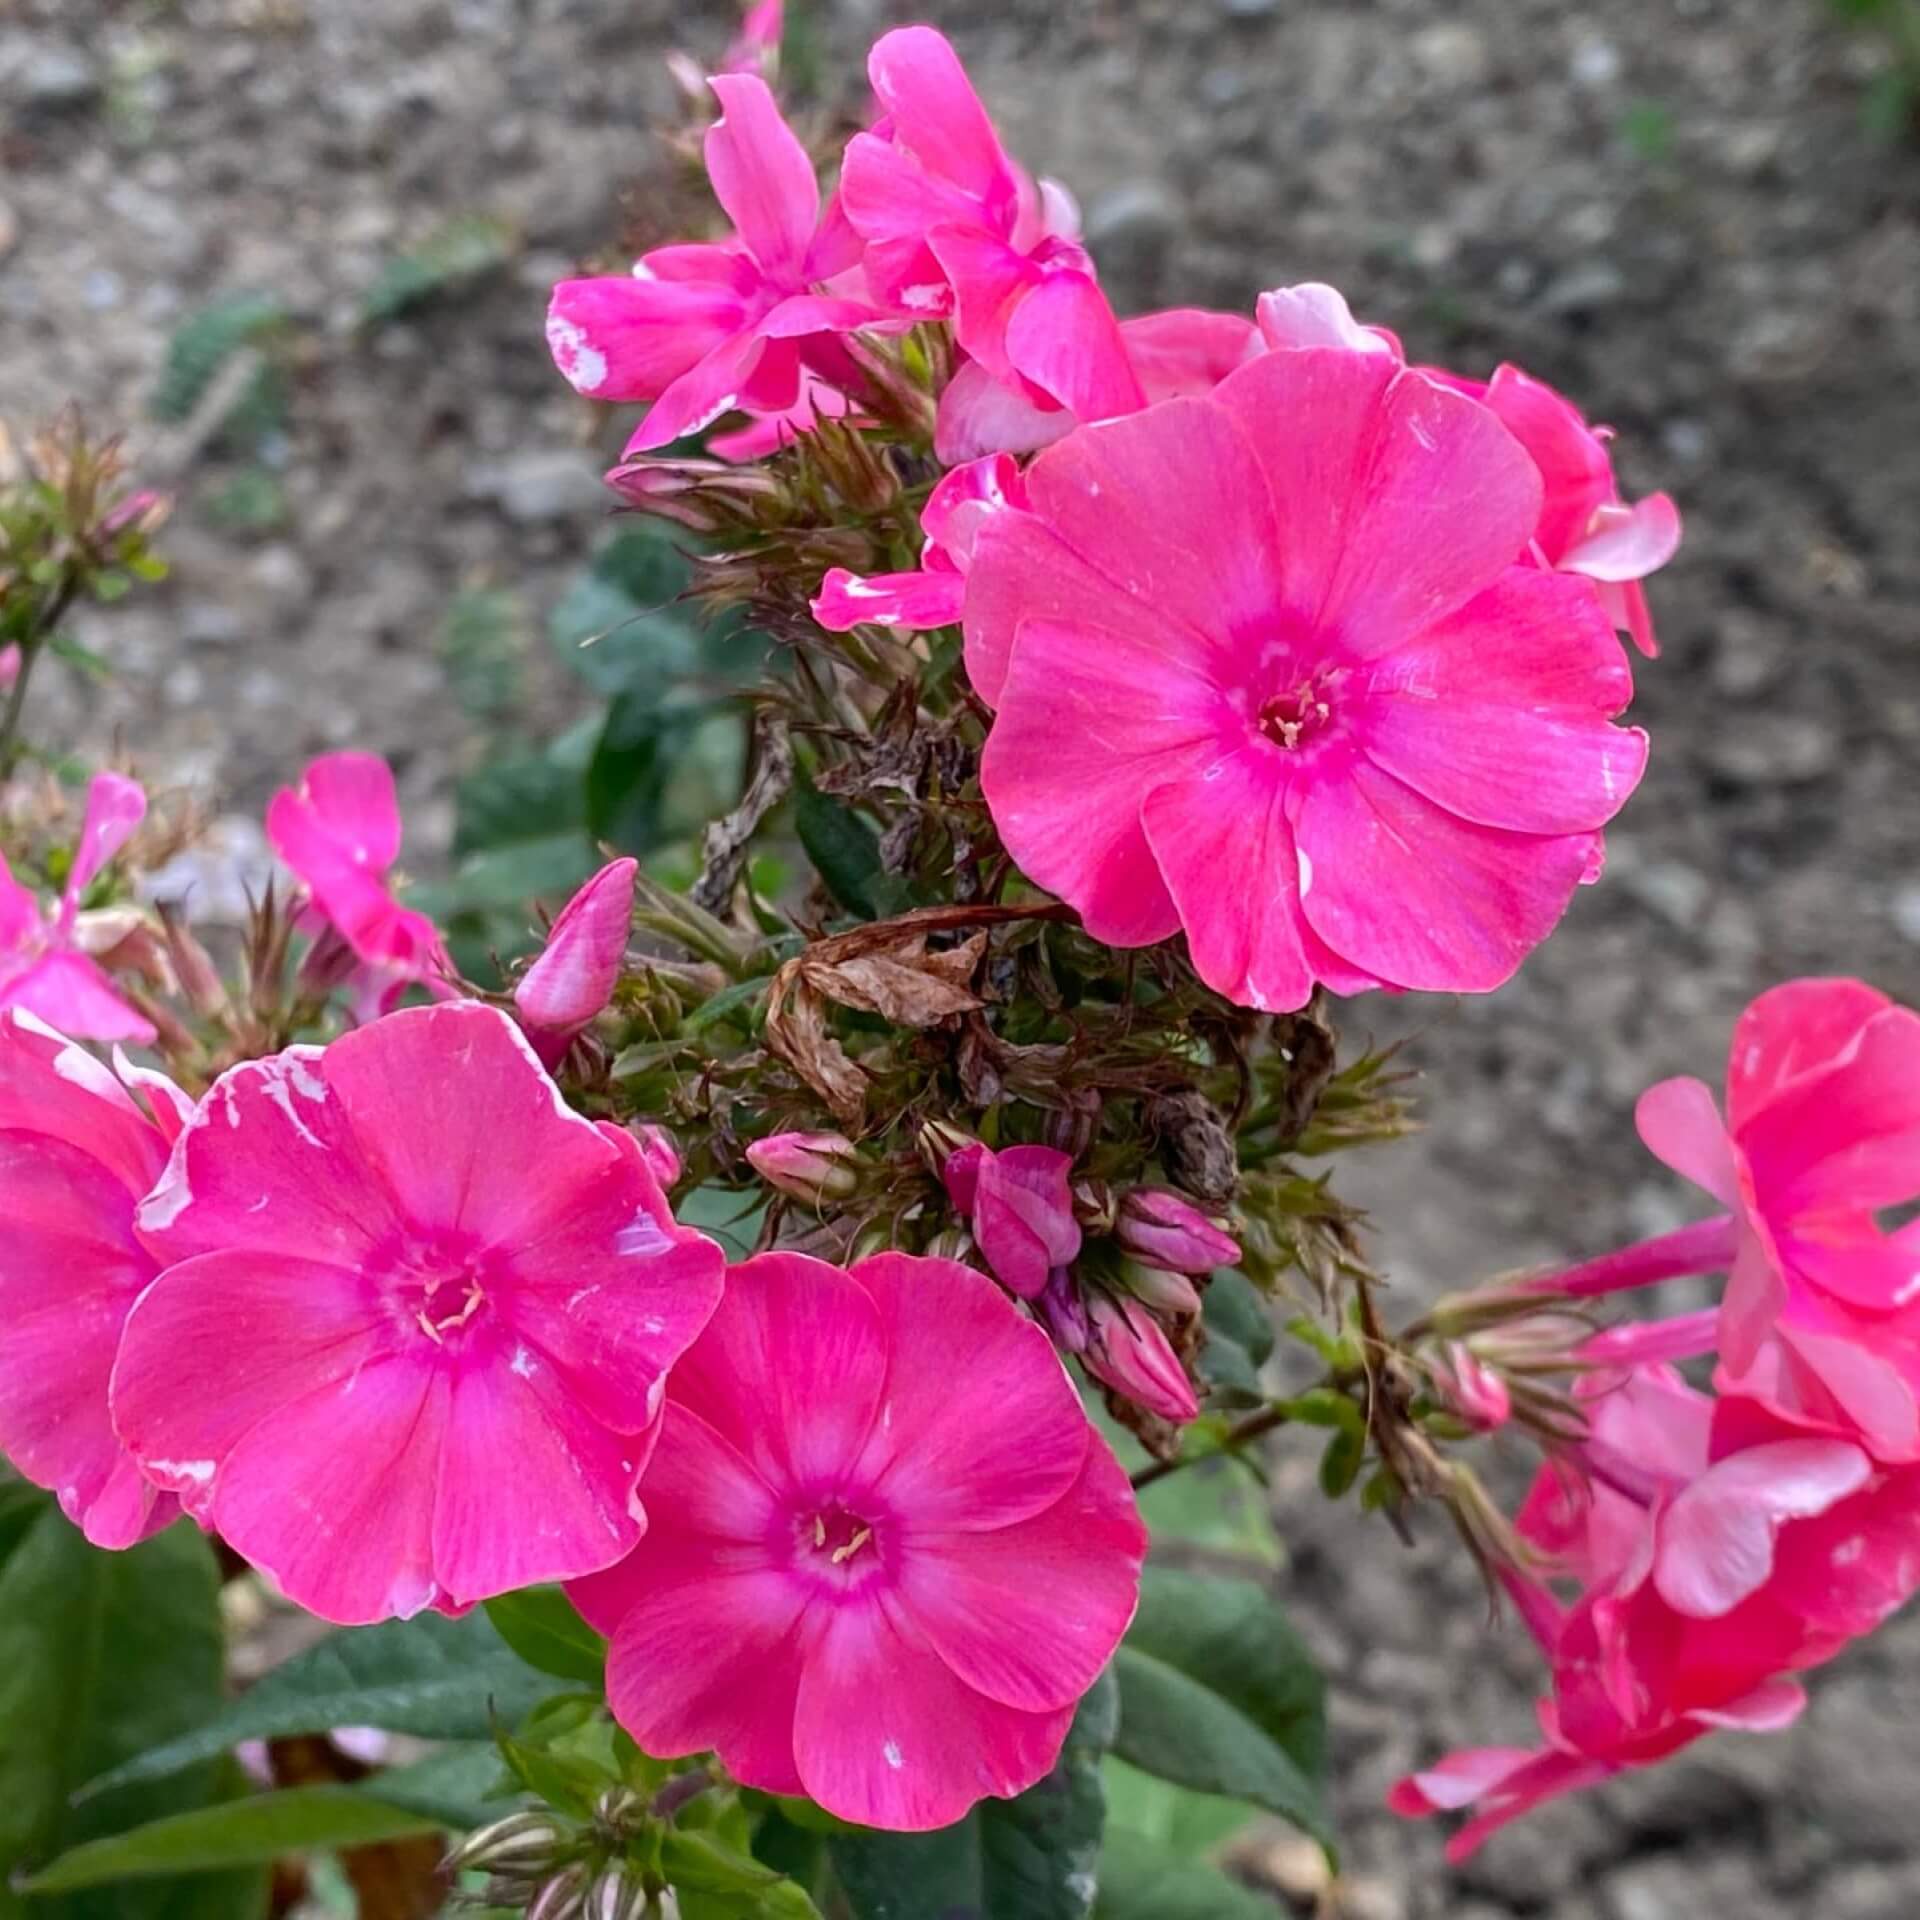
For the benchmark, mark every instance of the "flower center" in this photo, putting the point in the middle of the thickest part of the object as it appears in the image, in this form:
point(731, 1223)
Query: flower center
point(447, 1302)
point(837, 1544)
point(1293, 717)
point(435, 1290)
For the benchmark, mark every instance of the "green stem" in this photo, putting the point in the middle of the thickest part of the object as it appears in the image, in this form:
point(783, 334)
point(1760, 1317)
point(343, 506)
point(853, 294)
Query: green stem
point(1236, 1437)
point(32, 645)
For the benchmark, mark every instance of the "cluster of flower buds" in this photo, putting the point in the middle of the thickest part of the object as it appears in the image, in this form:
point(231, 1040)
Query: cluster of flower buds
point(547, 1868)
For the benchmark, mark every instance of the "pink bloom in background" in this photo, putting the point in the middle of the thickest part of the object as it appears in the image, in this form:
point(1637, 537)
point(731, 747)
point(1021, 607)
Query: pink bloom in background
point(1022, 1211)
point(1129, 1351)
point(77, 1153)
point(703, 330)
point(10, 658)
point(43, 969)
point(1266, 671)
point(756, 46)
point(956, 510)
point(887, 1553)
point(409, 1343)
point(662, 1155)
point(339, 831)
point(579, 967)
point(1822, 1308)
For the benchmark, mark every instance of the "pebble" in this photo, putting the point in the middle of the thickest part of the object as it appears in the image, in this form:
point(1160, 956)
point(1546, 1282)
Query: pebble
point(1772, 749)
point(548, 484)
point(56, 78)
point(1904, 909)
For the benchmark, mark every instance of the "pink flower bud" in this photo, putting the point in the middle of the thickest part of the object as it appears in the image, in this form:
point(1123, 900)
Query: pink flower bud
point(660, 1151)
point(1172, 1294)
point(9, 666)
point(961, 1174)
point(1064, 1313)
point(574, 977)
point(1023, 1216)
point(1159, 1227)
point(815, 1167)
point(1130, 1352)
point(1470, 1388)
point(941, 1143)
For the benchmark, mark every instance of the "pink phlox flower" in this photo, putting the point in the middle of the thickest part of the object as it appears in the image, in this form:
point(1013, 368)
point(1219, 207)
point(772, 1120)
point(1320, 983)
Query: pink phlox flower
point(1821, 1313)
point(767, 432)
point(409, 1344)
point(575, 973)
point(703, 330)
point(10, 660)
point(44, 966)
point(888, 1553)
point(78, 1152)
point(339, 831)
point(1266, 671)
point(1187, 350)
point(756, 47)
point(933, 595)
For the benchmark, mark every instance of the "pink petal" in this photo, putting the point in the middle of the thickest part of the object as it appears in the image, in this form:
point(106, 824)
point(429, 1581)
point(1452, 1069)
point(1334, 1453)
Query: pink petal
point(922, 87)
point(790, 1369)
point(1220, 837)
point(805, 313)
point(1681, 1127)
point(1627, 543)
point(1792, 1030)
point(1851, 1259)
point(1500, 714)
point(224, 1341)
point(166, 1104)
point(916, 602)
point(1767, 1709)
point(1108, 494)
point(530, 1488)
point(1846, 1571)
point(990, 279)
point(1626, 607)
point(617, 338)
point(886, 1735)
point(1397, 501)
point(71, 993)
point(50, 1086)
point(1546, 1778)
point(1029, 1614)
point(1716, 1541)
point(710, 1657)
point(1457, 1780)
point(115, 806)
point(20, 922)
point(1864, 1390)
point(1186, 350)
point(963, 501)
point(1090, 721)
point(1315, 315)
point(434, 1138)
point(716, 385)
point(1064, 338)
point(979, 415)
point(351, 795)
point(978, 1425)
point(762, 177)
point(333, 1495)
point(1576, 471)
point(1418, 896)
point(269, 1162)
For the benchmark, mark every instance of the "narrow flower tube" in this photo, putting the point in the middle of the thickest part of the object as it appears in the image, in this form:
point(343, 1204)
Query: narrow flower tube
point(1704, 1247)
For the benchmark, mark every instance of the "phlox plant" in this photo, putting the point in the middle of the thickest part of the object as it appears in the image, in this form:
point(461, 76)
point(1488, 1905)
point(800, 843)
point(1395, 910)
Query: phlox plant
point(712, 1313)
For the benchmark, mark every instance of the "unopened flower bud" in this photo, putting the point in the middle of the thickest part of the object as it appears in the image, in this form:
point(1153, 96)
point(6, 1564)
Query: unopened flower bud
point(660, 1151)
point(520, 1841)
point(1166, 1292)
point(814, 1167)
point(1072, 1125)
point(950, 1243)
point(327, 965)
point(561, 1898)
point(1469, 1387)
point(1094, 1205)
point(614, 1896)
point(193, 966)
point(1162, 1229)
point(940, 1141)
point(706, 496)
point(1064, 1312)
point(578, 968)
point(9, 666)
point(1130, 1352)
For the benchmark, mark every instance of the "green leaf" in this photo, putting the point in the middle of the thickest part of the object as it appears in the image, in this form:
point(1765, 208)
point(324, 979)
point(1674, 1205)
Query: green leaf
point(1187, 1824)
point(499, 877)
point(1032, 1858)
point(1234, 1308)
point(1139, 1881)
point(103, 1655)
point(620, 626)
point(243, 1833)
point(509, 802)
point(1218, 1693)
point(205, 341)
point(627, 776)
point(542, 1627)
point(456, 251)
point(459, 1787)
point(431, 1676)
point(844, 849)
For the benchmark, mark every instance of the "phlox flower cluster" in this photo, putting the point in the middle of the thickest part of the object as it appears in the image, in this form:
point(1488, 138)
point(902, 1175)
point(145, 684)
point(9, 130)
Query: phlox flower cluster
point(1296, 649)
point(1698, 1550)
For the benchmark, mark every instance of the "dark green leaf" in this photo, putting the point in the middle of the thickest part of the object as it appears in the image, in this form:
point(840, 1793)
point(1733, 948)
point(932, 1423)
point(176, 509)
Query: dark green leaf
point(509, 802)
point(243, 1833)
point(627, 776)
point(460, 1786)
point(1191, 1825)
point(456, 251)
point(103, 1655)
point(619, 625)
point(1139, 1881)
point(1032, 1858)
point(512, 876)
point(739, 1002)
point(205, 341)
point(1340, 1465)
point(1233, 1307)
point(844, 849)
point(431, 1676)
point(1218, 1693)
point(542, 1627)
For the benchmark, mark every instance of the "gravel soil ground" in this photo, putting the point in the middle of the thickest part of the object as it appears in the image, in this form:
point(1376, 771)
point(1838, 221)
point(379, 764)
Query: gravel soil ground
point(1670, 208)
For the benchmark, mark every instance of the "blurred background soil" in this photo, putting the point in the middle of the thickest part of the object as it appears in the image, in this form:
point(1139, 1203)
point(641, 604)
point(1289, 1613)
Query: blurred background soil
point(1673, 209)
